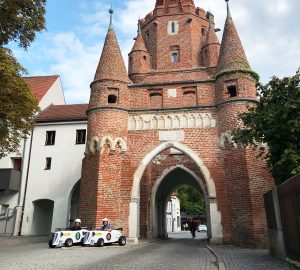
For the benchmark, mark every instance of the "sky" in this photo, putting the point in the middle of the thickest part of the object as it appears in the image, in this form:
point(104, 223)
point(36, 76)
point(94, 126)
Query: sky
point(72, 44)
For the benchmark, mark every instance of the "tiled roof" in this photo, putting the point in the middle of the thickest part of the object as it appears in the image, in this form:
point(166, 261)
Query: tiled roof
point(40, 84)
point(62, 113)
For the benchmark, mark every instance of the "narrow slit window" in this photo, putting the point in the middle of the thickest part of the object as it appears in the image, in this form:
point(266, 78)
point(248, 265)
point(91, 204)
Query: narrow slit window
point(173, 27)
point(112, 99)
point(48, 163)
point(232, 92)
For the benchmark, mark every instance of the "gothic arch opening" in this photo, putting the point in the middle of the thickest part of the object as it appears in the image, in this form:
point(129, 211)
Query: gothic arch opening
point(146, 182)
point(167, 184)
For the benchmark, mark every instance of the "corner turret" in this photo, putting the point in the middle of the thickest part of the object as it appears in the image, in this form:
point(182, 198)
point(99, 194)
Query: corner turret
point(211, 47)
point(139, 57)
point(235, 78)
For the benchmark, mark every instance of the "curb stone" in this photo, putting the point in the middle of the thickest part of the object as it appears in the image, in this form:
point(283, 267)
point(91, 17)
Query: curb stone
point(220, 264)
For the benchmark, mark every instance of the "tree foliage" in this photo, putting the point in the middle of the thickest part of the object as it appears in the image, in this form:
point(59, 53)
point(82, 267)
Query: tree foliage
point(20, 20)
point(275, 121)
point(191, 201)
point(17, 104)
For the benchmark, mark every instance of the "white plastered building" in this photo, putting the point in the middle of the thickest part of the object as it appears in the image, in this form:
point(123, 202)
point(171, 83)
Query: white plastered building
point(14, 167)
point(173, 220)
point(52, 192)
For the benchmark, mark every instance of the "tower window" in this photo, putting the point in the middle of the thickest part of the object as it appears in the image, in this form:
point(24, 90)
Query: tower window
point(232, 92)
point(112, 99)
point(145, 57)
point(175, 57)
point(203, 31)
point(50, 137)
point(173, 27)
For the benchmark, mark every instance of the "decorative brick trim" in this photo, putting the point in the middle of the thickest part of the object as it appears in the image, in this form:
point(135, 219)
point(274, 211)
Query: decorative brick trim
point(171, 121)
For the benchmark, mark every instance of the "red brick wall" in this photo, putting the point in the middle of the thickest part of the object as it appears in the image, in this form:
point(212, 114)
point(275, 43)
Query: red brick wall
point(240, 179)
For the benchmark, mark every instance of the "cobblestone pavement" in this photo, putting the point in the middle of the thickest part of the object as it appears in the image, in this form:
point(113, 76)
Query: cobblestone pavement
point(178, 252)
point(235, 258)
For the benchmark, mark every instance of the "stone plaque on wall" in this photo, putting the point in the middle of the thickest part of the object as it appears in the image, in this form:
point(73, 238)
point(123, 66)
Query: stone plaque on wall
point(173, 135)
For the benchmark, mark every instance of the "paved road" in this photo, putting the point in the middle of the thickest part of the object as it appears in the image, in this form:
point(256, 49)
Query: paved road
point(179, 252)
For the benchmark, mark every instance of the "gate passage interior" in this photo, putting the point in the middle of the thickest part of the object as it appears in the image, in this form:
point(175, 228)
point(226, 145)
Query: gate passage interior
point(7, 222)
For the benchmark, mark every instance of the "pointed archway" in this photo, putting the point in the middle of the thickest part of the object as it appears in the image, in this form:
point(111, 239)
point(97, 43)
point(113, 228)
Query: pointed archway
point(214, 216)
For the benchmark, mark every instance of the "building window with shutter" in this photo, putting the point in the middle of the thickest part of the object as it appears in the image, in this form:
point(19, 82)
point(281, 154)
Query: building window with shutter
point(50, 137)
point(80, 136)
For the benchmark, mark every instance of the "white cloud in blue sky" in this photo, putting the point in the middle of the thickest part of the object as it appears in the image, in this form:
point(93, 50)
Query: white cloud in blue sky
point(71, 46)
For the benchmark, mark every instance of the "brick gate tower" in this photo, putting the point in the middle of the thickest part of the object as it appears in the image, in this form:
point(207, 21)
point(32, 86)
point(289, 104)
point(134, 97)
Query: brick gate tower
point(167, 123)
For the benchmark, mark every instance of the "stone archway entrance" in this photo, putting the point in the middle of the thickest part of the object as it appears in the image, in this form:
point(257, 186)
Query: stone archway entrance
point(148, 187)
point(164, 186)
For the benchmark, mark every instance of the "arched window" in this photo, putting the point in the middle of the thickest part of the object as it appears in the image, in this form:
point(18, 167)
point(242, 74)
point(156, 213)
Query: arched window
point(232, 92)
point(175, 57)
point(112, 99)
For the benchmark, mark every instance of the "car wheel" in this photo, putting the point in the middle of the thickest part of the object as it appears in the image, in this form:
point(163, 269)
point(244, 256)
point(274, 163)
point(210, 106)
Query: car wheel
point(122, 240)
point(51, 245)
point(69, 242)
point(100, 242)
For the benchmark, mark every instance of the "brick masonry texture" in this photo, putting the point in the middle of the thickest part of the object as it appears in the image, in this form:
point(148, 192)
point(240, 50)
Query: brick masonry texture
point(159, 86)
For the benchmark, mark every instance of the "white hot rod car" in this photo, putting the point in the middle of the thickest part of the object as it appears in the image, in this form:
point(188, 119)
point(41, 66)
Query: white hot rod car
point(66, 238)
point(99, 238)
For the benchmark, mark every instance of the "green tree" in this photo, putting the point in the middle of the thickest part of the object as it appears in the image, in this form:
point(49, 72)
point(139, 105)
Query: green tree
point(19, 21)
point(191, 201)
point(275, 121)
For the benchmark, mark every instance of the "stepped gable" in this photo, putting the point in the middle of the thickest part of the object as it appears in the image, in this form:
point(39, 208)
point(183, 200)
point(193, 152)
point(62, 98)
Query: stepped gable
point(232, 54)
point(60, 113)
point(40, 85)
point(111, 65)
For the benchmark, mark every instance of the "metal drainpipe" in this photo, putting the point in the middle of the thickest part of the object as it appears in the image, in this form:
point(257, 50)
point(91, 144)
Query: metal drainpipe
point(22, 173)
point(26, 184)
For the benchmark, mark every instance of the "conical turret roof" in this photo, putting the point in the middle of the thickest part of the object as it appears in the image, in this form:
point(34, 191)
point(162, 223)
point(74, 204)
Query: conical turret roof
point(139, 44)
point(232, 55)
point(111, 65)
point(211, 37)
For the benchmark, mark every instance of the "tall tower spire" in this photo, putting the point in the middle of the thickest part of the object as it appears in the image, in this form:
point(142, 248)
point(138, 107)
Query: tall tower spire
point(111, 65)
point(232, 54)
point(228, 9)
point(111, 12)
